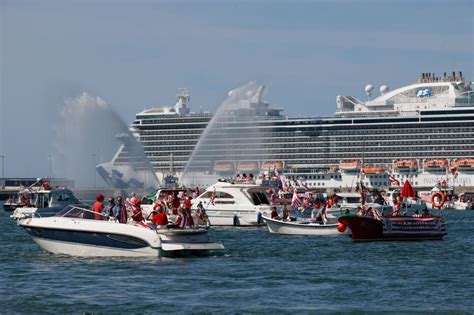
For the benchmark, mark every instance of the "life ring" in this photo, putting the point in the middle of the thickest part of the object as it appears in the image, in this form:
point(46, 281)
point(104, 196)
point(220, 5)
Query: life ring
point(442, 199)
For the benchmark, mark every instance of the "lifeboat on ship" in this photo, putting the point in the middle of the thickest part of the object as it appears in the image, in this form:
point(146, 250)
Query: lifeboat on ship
point(464, 164)
point(406, 165)
point(349, 165)
point(440, 164)
point(224, 167)
point(272, 165)
point(372, 170)
point(247, 166)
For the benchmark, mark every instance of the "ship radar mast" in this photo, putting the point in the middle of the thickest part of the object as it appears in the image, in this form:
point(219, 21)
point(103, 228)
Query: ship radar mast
point(181, 106)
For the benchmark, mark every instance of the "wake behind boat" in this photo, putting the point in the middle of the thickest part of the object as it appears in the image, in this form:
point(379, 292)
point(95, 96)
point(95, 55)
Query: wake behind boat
point(70, 232)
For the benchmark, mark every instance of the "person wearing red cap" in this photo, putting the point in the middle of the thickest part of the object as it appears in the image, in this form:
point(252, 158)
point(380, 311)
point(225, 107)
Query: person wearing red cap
point(98, 207)
point(137, 214)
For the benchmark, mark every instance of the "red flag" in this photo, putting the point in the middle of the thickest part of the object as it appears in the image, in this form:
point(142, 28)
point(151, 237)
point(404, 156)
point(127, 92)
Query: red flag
point(407, 190)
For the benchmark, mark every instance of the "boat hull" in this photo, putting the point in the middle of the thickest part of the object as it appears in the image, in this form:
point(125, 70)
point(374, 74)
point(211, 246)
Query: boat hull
point(399, 228)
point(300, 228)
point(82, 237)
point(235, 218)
point(86, 250)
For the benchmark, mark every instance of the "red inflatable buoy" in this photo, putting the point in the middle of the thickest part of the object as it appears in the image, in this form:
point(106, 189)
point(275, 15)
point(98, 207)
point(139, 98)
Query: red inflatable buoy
point(341, 227)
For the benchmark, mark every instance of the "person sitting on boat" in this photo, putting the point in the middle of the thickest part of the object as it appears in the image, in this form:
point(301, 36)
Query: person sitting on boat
point(307, 203)
point(98, 206)
point(274, 215)
point(137, 214)
point(322, 217)
point(159, 218)
point(360, 211)
point(119, 212)
point(24, 200)
point(180, 219)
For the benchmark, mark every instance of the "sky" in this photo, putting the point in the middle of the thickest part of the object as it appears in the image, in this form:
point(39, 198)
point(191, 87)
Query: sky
point(137, 54)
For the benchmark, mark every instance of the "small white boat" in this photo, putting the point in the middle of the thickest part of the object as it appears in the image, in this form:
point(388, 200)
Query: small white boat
point(301, 227)
point(70, 232)
point(234, 204)
point(350, 201)
point(45, 201)
point(465, 202)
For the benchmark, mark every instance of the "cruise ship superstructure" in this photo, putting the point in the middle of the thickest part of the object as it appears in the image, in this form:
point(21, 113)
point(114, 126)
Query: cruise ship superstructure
point(423, 132)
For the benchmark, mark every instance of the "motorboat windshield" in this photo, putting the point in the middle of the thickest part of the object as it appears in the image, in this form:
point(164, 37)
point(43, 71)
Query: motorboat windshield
point(80, 211)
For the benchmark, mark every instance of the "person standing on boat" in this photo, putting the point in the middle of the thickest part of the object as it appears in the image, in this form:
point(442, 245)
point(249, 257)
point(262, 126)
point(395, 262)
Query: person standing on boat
point(201, 214)
point(397, 205)
point(107, 211)
point(137, 214)
point(98, 206)
point(119, 212)
point(187, 203)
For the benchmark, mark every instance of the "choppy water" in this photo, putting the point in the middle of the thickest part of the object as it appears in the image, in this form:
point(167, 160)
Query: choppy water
point(257, 273)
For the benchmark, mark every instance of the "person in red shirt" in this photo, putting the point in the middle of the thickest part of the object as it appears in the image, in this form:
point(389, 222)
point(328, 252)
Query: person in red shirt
point(187, 203)
point(176, 203)
point(160, 219)
point(98, 206)
point(137, 214)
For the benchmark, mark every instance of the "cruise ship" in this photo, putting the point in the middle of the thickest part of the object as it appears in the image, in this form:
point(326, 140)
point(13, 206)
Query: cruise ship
point(423, 131)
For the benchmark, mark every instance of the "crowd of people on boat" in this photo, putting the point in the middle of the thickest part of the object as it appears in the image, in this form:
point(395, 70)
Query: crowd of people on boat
point(172, 211)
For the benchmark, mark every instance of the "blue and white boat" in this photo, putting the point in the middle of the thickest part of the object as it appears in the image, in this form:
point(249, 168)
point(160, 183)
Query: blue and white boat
point(73, 232)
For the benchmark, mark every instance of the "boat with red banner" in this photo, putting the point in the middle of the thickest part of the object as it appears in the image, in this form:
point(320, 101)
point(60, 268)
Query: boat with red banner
point(393, 228)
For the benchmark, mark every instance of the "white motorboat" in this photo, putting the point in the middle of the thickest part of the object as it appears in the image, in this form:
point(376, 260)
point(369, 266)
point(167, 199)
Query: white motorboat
point(45, 201)
point(350, 201)
point(302, 226)
point(71, 232)
point(234, 204)
point(465, 201)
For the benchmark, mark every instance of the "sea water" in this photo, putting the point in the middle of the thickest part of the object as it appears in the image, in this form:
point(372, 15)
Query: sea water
point(256, 273)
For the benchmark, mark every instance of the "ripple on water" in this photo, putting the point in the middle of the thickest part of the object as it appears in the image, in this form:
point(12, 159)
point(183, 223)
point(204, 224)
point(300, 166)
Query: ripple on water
point(258, 272)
